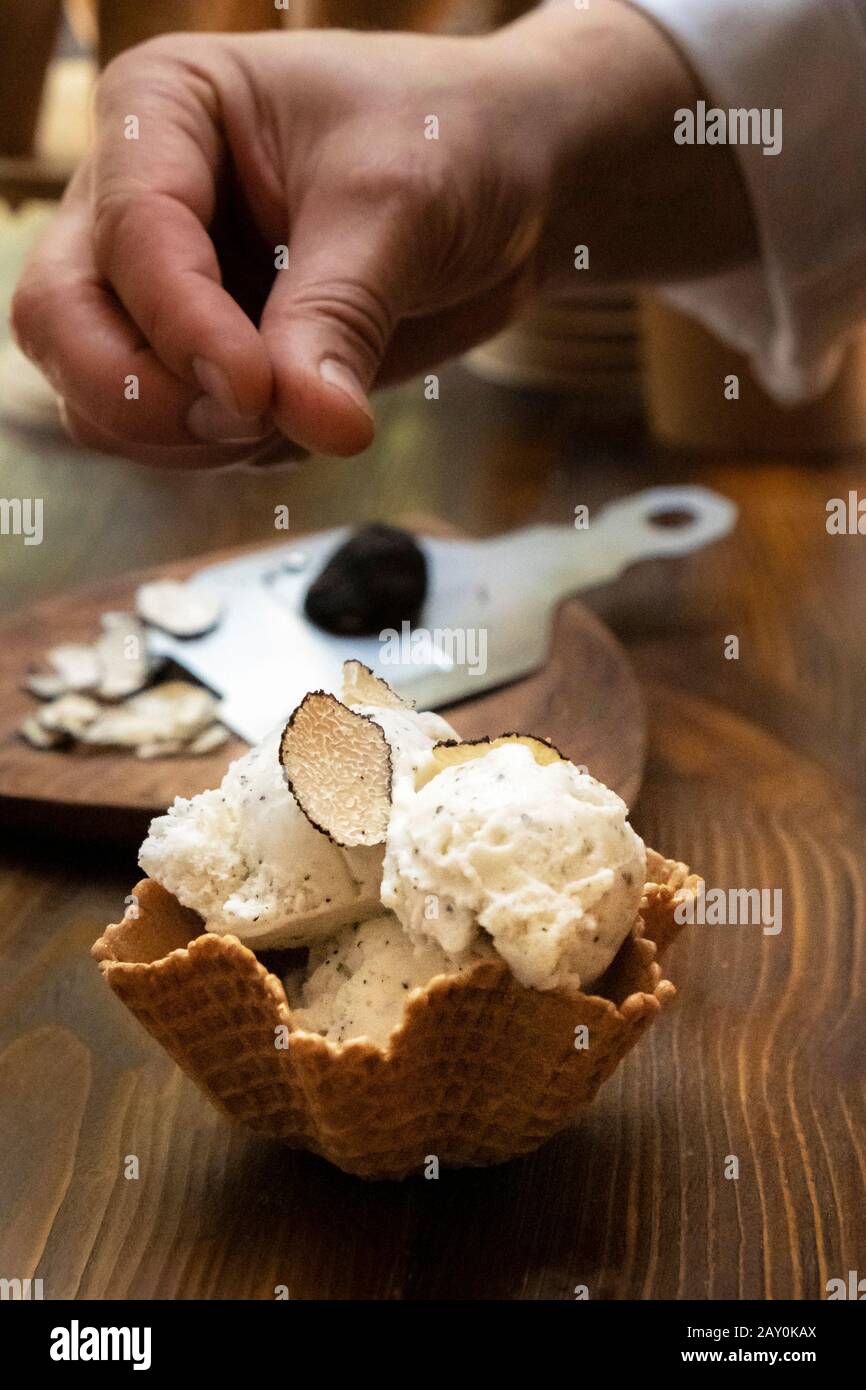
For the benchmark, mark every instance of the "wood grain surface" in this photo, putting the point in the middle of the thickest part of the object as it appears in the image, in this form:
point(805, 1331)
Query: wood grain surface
point(585, 700)
point(756, 776)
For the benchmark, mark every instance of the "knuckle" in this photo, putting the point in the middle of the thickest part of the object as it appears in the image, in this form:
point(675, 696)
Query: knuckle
point(363, 314)
point(131, 69)
point(389, 186)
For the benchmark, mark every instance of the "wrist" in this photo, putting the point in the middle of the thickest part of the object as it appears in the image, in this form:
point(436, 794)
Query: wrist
point(577, 80)
point(599, 89)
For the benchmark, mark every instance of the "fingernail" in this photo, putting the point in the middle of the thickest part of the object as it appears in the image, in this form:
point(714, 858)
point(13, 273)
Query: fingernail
point(214, 382)
point(339, 375)
point(209, 420)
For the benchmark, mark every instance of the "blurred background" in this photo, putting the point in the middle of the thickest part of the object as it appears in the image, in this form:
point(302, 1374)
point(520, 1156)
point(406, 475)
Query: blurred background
point(625, 358)
point(608, 373)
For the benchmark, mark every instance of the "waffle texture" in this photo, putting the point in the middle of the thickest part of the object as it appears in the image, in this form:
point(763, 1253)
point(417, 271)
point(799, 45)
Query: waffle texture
point(480, 1069)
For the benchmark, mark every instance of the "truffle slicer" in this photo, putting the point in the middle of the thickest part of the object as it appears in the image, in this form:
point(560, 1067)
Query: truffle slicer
point(486, 620)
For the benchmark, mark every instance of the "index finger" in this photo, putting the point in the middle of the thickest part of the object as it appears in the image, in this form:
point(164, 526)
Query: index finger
point(157, 154)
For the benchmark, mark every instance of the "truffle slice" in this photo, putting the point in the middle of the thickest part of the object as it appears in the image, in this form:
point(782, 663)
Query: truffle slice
point(75, 667)
point(126, 665)
point(450, 753)
point(362, 687)
point(38, 736)
point(338, 767)
point(167, 714)
point(211, 738)
point(183, 610)
point(46, 685)
point(160, 748)
point(70, 714)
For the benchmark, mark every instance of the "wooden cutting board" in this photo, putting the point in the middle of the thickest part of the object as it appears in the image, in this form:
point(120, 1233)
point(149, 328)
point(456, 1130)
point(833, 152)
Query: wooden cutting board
point(585, 700)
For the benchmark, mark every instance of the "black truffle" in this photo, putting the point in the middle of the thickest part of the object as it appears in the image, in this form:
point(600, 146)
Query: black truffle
point(377, 579)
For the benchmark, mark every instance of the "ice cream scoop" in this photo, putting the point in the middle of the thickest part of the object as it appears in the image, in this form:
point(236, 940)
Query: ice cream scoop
point(246, 858)
point(537, 856)
point(358, 982)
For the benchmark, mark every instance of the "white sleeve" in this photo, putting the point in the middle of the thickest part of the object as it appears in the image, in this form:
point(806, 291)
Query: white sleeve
point(792, 310)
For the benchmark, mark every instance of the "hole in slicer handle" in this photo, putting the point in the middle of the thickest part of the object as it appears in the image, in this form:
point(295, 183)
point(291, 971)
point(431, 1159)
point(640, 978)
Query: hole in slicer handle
point(675, 520)
point(671, 518)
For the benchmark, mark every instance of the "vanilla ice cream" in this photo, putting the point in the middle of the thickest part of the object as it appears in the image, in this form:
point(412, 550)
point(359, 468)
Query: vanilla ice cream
point(357, 982)
point(540, 858)
point(411, 734)
point(245, 857)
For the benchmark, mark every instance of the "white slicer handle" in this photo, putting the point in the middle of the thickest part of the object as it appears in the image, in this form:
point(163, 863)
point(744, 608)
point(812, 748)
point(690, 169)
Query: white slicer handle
point(636, 529)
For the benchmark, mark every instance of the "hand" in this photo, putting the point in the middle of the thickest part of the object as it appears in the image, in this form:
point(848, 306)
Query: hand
point(162, 268)
point(161, 263)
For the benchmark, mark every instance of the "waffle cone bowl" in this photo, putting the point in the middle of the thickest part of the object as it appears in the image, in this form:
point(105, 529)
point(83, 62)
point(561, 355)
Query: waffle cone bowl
point(479, 1070)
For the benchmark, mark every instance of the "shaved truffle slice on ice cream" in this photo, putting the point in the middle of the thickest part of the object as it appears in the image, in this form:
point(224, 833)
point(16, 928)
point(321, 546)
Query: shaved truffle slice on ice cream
point(404, 1033)
point(328, 752)
point(342, 763)
point(249, 858)
point(361, 686)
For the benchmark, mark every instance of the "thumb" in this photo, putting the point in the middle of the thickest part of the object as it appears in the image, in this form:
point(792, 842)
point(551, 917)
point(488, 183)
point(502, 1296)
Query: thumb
point(328, 322)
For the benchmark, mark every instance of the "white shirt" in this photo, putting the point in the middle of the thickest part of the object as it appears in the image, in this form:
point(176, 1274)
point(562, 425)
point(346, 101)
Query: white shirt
point(791, 311)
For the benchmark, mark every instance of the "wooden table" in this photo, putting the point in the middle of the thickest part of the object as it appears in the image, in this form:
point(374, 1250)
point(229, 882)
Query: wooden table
point(756, 777)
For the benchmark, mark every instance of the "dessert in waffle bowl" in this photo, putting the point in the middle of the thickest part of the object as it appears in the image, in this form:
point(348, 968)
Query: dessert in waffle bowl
point(459, 942)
